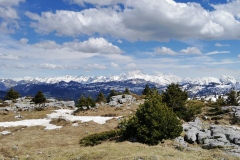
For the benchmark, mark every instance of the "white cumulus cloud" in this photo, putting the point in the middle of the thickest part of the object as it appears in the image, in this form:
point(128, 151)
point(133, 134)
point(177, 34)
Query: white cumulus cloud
point(9, 15)
point(165, 50)
point(191, 50)
point(23, 41)
point(231, 7)
point(138, 21)
point(95, 2)
point(92, 45)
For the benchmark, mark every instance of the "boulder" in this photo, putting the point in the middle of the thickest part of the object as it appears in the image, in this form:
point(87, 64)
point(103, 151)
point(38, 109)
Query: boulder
point(191, 135)
point(112, 103)
point(213, 143)
point(179, 142)
point(201, 136)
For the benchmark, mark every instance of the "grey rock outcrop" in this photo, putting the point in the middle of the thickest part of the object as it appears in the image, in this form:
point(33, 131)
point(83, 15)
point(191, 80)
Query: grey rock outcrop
point(179, 142)
point(213, 136)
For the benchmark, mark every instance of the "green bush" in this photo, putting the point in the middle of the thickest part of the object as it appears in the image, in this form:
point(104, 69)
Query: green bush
point(146, 90)
point(153, 122)
point(191, 109)
point(175, 97)
point(127, 91)
point(101, 98)
point(112, 93)
point(232, 98)
point(39, 98)
point(97, 138)
point(11, 95)
point(83, 101)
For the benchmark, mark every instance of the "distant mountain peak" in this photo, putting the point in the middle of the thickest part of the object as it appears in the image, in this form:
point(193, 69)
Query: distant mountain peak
point(160, 79)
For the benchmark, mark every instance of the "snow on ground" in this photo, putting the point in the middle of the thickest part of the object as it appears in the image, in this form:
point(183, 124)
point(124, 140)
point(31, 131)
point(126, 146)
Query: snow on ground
point(64, 114)
point(5, 132)
point(31, 122)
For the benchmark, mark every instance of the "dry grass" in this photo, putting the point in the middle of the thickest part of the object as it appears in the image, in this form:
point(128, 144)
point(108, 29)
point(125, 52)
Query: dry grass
point(35, 143)
point(124, 110)
point(10, 115)
point(222, 119)
point(63, 146)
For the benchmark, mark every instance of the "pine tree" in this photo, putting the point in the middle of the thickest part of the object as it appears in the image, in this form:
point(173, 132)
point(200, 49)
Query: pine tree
point(83, 101)
point(90, 102)
point(11, 95)
point(127, 91)
point(175, 97)
point(112, 93)
point(232, 98)
point(146, 90)
point(101, 98)
point(152, 122)
point(39, 98)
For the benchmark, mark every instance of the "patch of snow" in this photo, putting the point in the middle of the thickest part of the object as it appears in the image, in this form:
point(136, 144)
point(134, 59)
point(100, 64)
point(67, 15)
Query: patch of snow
point(75, 124)
point(66, 114)
point(63, 113)
point(5, 132)
point(31, 122)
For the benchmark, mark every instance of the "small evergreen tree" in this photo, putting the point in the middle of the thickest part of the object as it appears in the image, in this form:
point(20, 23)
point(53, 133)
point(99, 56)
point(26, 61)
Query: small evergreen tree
point(232, 98)
point(39, 98)
point(175, 98)
point(192, 108)
point(146, 90)
point(112, 93)
point(83, 101)
point(11, 94)
point(220, 101)
point(127, 91)
point(101, 98)
point(152, 122)
point(90, 102)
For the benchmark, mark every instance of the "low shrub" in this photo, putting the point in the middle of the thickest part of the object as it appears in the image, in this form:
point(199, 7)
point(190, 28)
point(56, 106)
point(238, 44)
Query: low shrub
point(153, 122)
point(97, 138)
point(191, 109)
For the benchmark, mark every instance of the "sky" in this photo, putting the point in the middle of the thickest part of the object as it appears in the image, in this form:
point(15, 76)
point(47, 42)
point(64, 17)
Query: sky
point(50, 38)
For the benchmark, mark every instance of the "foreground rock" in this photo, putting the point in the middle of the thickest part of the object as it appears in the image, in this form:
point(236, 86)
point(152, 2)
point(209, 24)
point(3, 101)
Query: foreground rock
point(212, 136)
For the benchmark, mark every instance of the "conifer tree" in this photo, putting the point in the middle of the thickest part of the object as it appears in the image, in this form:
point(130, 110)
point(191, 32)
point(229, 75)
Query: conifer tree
point(232, 98)
point(39, 98)
point(112, 93)
point(152, 122)
point(175, 97)
point(101, 98)
point(127, 91)
point(11, 94)
point(146, 90)
point(83, 101)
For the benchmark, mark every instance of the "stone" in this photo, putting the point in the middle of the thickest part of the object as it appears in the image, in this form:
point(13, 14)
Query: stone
point(191, 135)
point(112, 103)
point(201, 136)
point(179, 142)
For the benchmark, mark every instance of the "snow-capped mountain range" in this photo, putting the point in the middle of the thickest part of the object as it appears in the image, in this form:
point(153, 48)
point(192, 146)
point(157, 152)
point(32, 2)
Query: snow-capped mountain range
point(159, 79)
point(73, 86)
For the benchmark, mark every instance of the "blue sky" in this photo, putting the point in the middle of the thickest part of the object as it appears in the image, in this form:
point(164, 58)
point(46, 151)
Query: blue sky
point(48, 38)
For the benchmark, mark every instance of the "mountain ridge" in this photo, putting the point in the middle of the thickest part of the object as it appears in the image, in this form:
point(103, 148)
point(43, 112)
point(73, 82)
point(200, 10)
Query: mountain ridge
point(72, 87)
point(160, 79)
